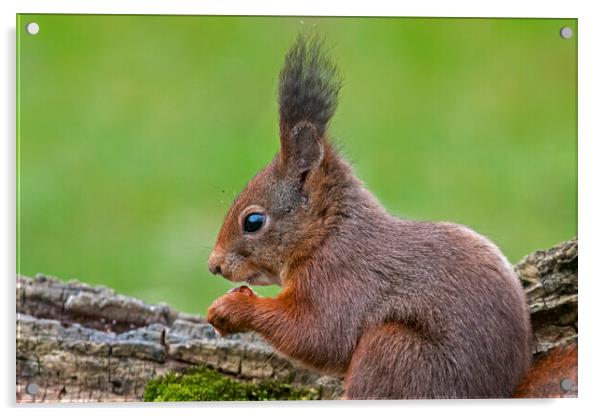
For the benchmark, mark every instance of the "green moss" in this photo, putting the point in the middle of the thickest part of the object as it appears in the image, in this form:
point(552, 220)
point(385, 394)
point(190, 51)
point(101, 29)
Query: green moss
point(204, 384)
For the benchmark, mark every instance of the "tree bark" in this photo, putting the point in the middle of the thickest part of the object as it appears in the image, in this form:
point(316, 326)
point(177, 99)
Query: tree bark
point(81, 343)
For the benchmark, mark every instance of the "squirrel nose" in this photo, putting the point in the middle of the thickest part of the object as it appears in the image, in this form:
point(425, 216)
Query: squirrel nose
point(215, 269)
point(215, 262)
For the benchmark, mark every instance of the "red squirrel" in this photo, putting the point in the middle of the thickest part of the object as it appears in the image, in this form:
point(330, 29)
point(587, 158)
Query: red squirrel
point(401, 309)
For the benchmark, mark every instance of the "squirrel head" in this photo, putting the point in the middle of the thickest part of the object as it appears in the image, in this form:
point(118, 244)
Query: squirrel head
point(289, 206)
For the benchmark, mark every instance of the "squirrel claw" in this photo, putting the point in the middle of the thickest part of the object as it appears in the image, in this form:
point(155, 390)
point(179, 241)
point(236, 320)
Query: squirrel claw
point(219, 331)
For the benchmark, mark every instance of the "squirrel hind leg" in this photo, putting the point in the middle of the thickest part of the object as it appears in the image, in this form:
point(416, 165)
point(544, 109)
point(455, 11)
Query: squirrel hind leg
point(389, 362)
point(393, 361)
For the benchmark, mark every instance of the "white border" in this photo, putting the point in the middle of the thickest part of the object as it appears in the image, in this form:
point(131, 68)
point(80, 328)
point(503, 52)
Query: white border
point(508, 8)
point(590, 207)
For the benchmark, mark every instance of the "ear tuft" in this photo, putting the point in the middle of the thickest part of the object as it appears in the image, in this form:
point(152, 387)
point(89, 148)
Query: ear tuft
point(309, 85)
point(308, 94)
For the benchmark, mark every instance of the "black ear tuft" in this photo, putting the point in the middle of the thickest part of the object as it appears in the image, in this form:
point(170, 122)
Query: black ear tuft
point(309, 86)
point(308, 93)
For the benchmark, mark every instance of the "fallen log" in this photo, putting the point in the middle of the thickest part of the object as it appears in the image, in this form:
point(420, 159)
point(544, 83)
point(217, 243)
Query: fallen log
point(81, 343)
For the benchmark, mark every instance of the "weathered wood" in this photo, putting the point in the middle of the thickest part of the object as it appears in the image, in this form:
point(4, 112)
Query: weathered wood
point(550, 281)
point(81, 343)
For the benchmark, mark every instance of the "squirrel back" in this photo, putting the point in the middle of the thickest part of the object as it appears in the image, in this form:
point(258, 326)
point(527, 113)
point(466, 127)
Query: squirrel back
point(402, 309)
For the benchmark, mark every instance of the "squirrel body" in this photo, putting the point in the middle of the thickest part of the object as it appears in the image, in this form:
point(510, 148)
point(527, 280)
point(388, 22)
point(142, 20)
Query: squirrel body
point(400, 308)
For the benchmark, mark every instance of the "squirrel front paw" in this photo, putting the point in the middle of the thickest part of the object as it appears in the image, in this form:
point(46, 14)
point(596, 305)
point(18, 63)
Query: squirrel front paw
point(232, 312)
point(245, 290)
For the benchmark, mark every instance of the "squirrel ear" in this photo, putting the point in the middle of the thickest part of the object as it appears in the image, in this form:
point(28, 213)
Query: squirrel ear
point(301, 148)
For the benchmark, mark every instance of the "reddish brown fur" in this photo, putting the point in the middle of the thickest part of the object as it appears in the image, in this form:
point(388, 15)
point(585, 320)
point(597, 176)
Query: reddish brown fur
point(402, 309)
point(545, 377)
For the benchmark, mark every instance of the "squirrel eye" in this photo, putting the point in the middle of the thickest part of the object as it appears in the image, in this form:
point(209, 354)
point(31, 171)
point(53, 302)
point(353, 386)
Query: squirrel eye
point(253, 222)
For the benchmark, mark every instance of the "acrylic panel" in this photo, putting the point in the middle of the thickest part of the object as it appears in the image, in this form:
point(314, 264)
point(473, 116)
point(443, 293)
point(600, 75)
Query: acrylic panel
point(339, 266)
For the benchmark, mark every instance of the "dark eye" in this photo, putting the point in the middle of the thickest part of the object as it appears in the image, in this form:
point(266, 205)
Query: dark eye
point(253, 222)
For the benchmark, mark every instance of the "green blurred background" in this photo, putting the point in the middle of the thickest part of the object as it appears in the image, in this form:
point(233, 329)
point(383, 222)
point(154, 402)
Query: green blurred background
point(136, 132)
